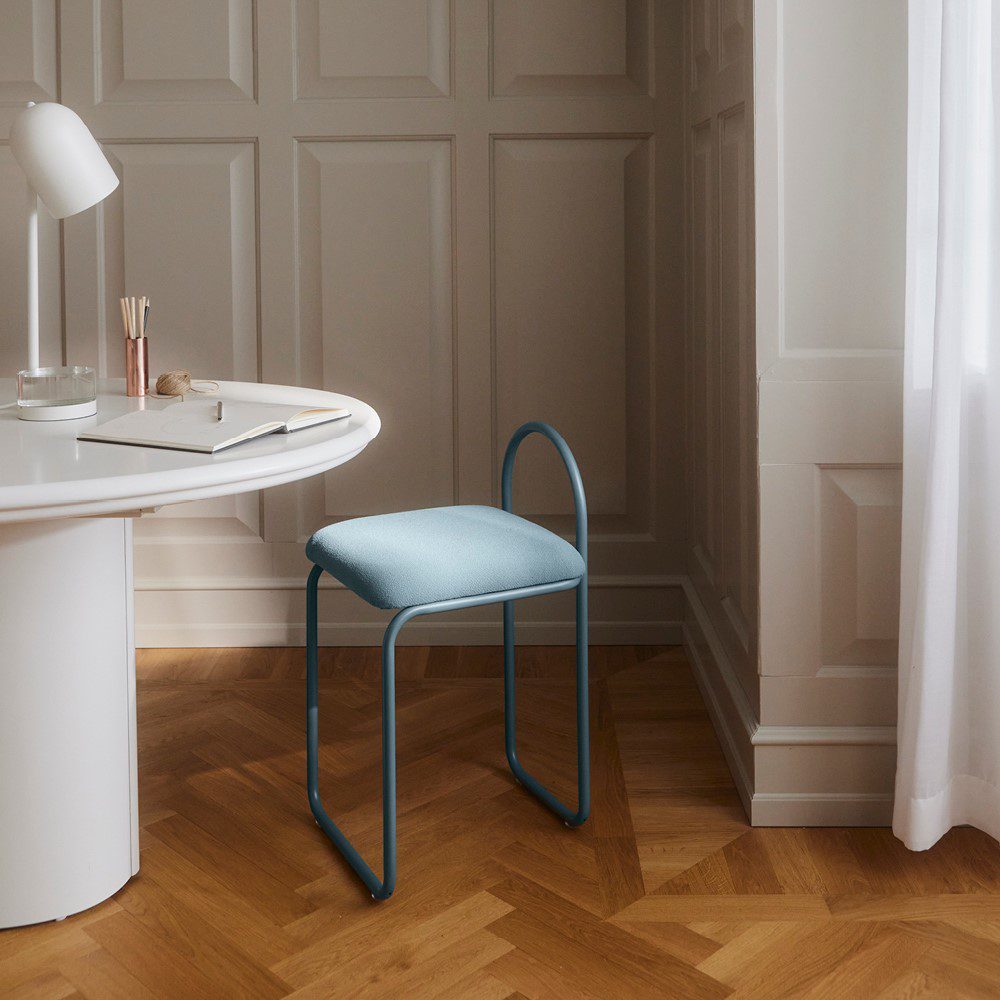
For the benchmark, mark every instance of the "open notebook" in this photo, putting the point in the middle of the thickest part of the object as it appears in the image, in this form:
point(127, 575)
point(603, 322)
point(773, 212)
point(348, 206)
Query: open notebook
point(194, 424)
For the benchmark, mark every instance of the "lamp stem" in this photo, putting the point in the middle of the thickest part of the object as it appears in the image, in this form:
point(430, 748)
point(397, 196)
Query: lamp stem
point(32, 278)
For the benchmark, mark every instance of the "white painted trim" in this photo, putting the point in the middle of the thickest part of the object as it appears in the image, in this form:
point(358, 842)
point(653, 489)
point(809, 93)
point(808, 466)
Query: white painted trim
point(729, 740)
point(415, 634)
point(769, 224)
point(821, 809)
point(741, 779)
point(825, 736)
point(718, 681)
point(727, 675)
point(327, 582)
point(762, 735)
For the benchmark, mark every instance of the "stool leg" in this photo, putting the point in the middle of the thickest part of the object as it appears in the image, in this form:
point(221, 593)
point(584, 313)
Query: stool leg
point(570, 817)
point(389, 758)
point(379, 889)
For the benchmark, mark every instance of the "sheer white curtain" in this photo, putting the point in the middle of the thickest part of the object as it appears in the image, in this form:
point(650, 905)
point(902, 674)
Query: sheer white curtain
point(948, 769)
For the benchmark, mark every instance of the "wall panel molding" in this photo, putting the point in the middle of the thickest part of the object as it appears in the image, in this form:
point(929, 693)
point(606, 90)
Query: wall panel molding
point(181, 227)
point(373, 48)
point(183, 217)
point(643, 613)
point(831, 314)
point(829, 567)
point(560, 49)
point(28, 58)
point(184, 51)
point(582, 201)
point(788, 775)
point(721, 403)
point(381, 316)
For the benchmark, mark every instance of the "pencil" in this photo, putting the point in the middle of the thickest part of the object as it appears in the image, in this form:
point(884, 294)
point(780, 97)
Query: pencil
point(121, 302)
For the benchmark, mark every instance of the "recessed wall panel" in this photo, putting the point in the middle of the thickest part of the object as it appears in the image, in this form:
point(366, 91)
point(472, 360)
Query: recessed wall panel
point(570, 48)
point(732, 29)
point(829, 568)
point(704, 355)
point(701, 42)
point(375, 302)
point(737, 411)
point(844, 174)
point(572, 313)
point(181, 51)
point(372, 48)
point(860, 511)
point(27, 51)
point(180, 228)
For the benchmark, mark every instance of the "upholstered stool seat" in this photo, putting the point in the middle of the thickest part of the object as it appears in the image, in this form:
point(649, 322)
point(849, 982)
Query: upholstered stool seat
point(423, 556)
point(448, 559)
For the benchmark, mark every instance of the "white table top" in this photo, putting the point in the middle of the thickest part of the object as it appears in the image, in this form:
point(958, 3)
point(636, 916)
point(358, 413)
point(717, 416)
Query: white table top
point(46, 473)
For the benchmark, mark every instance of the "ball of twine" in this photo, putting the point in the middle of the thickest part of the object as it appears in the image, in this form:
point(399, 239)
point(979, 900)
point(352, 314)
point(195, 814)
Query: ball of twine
point(177, 383)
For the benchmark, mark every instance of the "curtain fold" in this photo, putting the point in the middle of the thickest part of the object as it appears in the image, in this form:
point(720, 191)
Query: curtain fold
point(948, 765)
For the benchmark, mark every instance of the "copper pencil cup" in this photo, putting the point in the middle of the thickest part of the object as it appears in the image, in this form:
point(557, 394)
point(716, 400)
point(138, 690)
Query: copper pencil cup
point(136, 366)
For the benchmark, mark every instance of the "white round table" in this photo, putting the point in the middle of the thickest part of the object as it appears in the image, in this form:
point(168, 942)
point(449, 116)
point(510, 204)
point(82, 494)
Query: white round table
point(68, 800)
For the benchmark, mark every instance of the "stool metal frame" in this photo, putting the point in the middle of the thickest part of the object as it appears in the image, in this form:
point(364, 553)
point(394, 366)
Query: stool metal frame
point(383, 888)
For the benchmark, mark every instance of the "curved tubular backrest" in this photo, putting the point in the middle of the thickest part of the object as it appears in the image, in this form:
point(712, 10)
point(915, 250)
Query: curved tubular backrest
point(572, 470)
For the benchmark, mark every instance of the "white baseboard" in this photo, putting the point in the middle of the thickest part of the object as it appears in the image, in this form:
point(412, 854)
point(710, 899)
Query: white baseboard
point(838, 753)
point(731, 715)
point(825, 736)
point(268, 611)
point(425, 633)
point(821, 809)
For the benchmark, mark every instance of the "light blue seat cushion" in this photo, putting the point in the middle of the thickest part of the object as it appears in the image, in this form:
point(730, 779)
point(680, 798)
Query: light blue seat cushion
point(420, 556)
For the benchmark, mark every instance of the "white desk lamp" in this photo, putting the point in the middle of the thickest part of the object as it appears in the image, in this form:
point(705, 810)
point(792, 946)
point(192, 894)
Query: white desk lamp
point(67, 171)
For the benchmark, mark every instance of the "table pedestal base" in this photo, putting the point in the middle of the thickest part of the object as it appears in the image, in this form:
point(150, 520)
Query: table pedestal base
point(68, 801)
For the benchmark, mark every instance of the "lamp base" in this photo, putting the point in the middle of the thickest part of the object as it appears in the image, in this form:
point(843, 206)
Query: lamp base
point(67, 392)
point(58, 411)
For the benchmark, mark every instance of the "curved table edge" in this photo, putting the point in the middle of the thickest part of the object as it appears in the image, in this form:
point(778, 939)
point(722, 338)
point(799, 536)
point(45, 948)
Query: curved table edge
point(130, 493)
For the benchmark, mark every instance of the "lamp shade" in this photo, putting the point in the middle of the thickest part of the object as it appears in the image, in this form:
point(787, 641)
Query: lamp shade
point(61, 159)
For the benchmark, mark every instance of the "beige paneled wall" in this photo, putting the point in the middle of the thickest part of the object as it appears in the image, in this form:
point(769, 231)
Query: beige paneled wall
point(721, 375)
point(468, 213)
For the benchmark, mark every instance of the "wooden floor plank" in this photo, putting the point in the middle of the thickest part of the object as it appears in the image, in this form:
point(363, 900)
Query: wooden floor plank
point(188, 934)
point(161, 969)
point(940, 906)
point(692, 907)
point(870, 969)
point(49, 986)
point(100, 976)
point(446, 947)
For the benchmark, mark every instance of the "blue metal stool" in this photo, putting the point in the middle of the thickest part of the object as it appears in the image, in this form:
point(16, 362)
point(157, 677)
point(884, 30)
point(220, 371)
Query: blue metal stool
point(443, 559)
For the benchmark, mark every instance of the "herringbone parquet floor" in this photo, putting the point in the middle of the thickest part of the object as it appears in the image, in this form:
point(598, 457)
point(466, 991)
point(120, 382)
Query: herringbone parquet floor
point(665, 893)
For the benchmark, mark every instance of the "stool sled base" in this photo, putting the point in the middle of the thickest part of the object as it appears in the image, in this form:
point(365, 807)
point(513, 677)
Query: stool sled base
point(383, 888)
